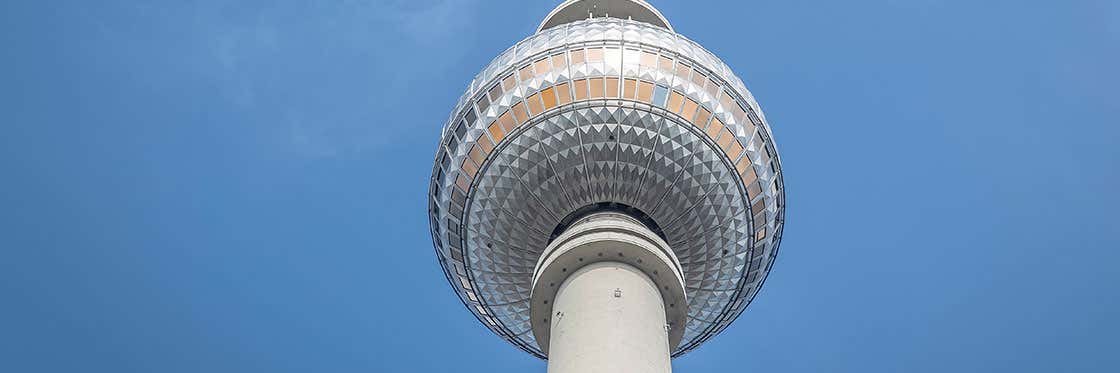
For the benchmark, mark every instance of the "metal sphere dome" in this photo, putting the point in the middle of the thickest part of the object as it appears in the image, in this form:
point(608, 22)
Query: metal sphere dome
point(616, 114)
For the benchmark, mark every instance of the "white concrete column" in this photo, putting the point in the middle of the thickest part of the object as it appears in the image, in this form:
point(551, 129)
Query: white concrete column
point(608, 317)
point(608, 297)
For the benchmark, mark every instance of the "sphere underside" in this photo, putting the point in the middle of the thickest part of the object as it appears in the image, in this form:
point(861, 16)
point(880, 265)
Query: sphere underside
point(606, 110)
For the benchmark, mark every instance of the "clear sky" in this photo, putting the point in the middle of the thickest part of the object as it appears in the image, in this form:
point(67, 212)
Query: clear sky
point(239, 186)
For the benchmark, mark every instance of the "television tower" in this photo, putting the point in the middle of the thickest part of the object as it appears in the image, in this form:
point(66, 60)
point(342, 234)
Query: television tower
point(606, 194)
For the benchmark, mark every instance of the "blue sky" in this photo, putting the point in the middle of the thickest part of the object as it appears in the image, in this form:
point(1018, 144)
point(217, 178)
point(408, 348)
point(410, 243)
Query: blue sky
point(237, 186)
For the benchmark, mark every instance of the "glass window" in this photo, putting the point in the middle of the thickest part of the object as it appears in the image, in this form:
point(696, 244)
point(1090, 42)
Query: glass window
point(675, 100)
point(578, 56)
point(753, 190)
point(744, 165)
point(541, 66)
point(526, 72)
point(713, 130)
point(699, 78)
point(596, 86)
point(660, 93)
point(727, 102)
point(471, 116)
point(594, 55)
point(735, 150)
point(764, 156)
point(509, 82)
point(507, 121)
point(612, 87)
point(581, 89)
point(645, 91)
point(682, 71)
point(558, 61)
point(495, 130)
point(485, 143)
point(713, 88)
point(519, 114)
point(689, 109)
point(666, 63)
point(629, 86)
point(469, 168)
point(476, 155)
point(613, 57)
point(549, 98)
point(463, 183)
point(725, 140)
point(534, 102)
point(563, 94)
point(483, 104)
point(630, 56)
point(649, 59)
point(461, 129)
point(740, 113)
point(453, 143)
point(759, 206)
point(495, 92)
point(702, 118)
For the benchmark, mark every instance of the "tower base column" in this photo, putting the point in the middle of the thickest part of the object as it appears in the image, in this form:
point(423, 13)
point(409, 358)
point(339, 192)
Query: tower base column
point(608, 317)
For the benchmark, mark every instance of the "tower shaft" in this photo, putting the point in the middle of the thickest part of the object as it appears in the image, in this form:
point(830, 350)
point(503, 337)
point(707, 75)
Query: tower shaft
point(608, 317)
point(607, 293)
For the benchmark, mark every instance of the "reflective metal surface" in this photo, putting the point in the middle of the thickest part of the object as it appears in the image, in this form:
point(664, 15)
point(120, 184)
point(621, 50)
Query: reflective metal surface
point(541, 133)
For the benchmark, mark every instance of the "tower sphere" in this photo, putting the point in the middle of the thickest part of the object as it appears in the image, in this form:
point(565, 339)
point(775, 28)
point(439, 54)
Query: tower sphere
point(606, 110)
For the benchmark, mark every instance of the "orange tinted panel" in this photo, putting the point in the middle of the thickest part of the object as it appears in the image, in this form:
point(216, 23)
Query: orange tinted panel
point(541, 66)
point(534, 104)
point(682, 70)
point(485, 143)
point(649, 59)
point(507, 121)
point(666, 63)
point(702, 118)
point(509, 82)
point(714, 129)
point(469, 168)
point(463, 183)
point(645, 91)
point(743, 165)
point(519, 113)
point(735, 150)
point(581, 89)
point(562, 93)
point(558, 61)
point(596, 86)
point(612, 87)
point(753, 190)
point(578, 56)
point(594, 55)
point(476, 154)
point(549, 97)
point(675, 100)
point(689, 109)
point(495, 130)
point(526, 72)
point(725, 139)
point(629, 86)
